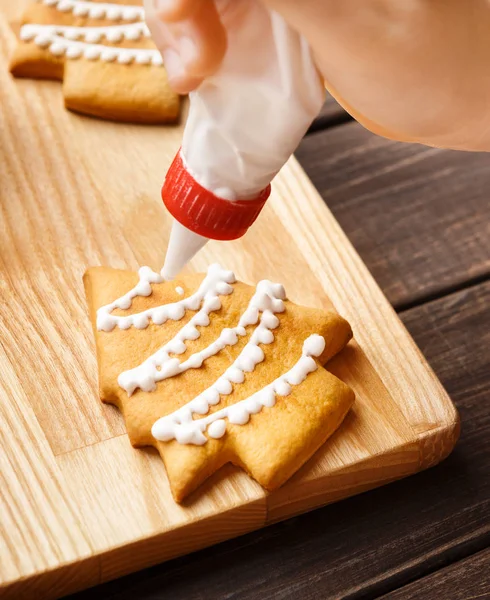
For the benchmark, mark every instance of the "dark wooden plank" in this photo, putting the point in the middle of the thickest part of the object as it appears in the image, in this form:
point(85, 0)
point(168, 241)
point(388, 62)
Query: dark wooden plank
point(419, 217)
point(376, 542)
point(469, 578)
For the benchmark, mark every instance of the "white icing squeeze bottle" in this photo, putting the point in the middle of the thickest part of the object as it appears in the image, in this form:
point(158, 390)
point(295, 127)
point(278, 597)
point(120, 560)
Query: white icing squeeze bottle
point(244, 123)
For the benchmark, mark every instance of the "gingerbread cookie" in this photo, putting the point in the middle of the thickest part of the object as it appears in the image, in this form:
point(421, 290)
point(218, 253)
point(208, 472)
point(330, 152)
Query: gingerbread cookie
point(210, 371)
point(104, 55)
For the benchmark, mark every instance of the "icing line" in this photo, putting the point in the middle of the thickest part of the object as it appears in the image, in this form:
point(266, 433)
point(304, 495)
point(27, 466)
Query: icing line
point(217, 282)
point(93, 10)
point(180, 426)
point(113, 33)
point(159, 366)
point(59, 46)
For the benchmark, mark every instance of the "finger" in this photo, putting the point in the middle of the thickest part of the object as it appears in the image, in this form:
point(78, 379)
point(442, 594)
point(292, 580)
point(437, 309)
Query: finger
point(201, 41)
point(172, 11)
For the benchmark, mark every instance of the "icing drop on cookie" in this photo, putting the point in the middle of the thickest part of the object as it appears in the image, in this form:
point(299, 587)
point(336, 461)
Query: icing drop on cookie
point(113, 33)
point(180, 426)
point(110, 11)
point(60, 46)
point(268, 299)
point(217, 282)
point(179, 290)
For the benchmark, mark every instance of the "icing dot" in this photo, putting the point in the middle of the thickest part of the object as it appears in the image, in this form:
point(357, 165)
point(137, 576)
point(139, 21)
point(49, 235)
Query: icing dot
point(238, 414)
point(140, 321)
point(201, 319)
point(250, 316)
point(144, 287)
point(156, 59)
point(123, 303)
point(158, 316)
point(108, 55)
point(142, 58)
point(266, 336)
point(229, 336)
point(51, 2)
point(235, 375)
point(189, 332)
point(92, 37)
point(224, 288)
point(74, 52)
point(268, 397)
point(132, 33)
point(179, 290)
point(212, 304)
point(80, 10)
point(211, 395)
point(114, 35)
point(123, 324)
point(71, 34)
point(91, 53)
point(177, 347)
point(200, 405)
point(217, 429)
point(270, 320)
point(96, 12)
point(26, 33)
point(124, 58)
point(114, 13)
point(314, 345)
point(282, 387)
point(223, 386)
point(64, 5)
point(254, 405)
point(184, 434)
point(163, 430)
point(194, 362)
point(175, 311)
point(105, 322)
point(42, 40)
point(131, 13)
point(57, 49)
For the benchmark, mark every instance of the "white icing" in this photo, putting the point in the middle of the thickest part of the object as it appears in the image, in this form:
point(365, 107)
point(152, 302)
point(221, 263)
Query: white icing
point(59, 46)
point(179, 290)
point(93, 10)
point(180, 425)
point(268, 299)
point(217, 282)
point(83, 42)
point(113, 33)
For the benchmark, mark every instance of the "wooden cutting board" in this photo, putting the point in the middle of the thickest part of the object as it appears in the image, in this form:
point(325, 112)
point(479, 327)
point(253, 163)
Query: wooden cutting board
point(78, 504)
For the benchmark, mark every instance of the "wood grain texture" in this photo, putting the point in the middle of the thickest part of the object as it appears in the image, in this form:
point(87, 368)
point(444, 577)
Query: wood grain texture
point(419, 217)
point(79, 192)
point(467, 579)
point(378, 541)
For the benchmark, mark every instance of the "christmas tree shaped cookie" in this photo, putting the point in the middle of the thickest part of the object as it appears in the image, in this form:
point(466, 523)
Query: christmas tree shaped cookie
point(104, 55)
point(210, 371)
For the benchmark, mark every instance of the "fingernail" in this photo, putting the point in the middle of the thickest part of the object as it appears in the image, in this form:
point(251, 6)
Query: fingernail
point(173, 63)
point(187, 49)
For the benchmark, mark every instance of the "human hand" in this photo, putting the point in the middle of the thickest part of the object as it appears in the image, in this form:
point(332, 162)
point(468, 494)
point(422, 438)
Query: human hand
point(413, 71)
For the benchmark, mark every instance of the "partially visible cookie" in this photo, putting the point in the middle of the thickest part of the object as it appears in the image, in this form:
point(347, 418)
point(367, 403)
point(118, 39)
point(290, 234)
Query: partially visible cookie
point(104, 55)
point(222, 372)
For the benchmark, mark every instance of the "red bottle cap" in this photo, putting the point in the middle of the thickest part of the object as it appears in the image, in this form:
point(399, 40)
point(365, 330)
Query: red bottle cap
point(204, 213)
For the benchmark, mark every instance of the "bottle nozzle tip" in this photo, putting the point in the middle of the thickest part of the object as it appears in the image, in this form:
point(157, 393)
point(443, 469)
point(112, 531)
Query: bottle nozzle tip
point(182, 247)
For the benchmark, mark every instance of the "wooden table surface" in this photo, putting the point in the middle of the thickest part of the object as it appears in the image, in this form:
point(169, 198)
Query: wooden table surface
point(420, 219)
